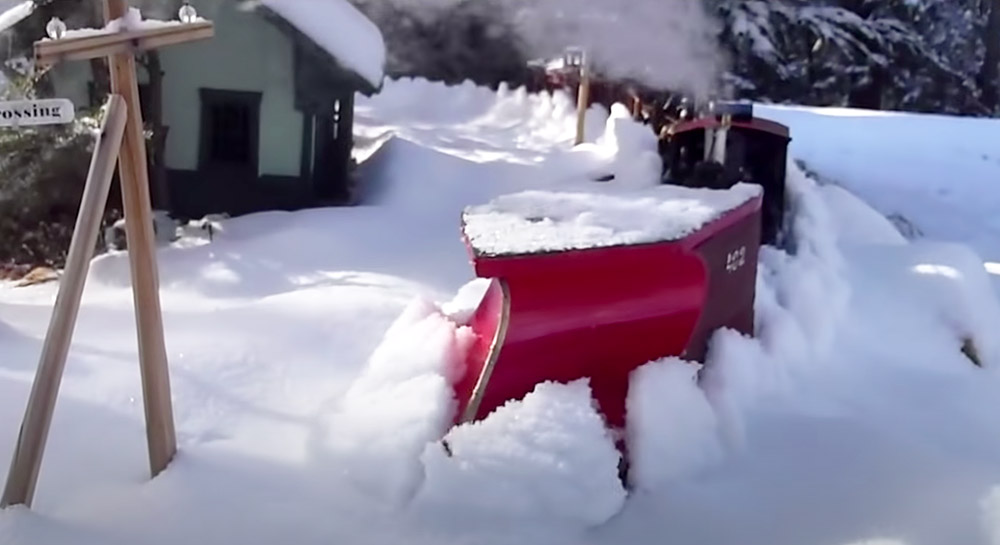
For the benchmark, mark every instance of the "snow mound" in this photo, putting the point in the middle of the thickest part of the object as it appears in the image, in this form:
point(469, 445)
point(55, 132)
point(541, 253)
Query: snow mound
point(545, 457)
point(802, 298)
point(625, 151)
point(933, 170)
point(671, 426)
point(544, 221)
point(503, 128)
point(402, 401)
point(989, 507)
point(855, 221)
point(512, 122)
point(948, 287)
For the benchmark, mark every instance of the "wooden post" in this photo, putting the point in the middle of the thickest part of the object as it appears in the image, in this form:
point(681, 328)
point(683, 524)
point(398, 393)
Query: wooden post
point(127, 145)
point(134, 175)
point(23, 476)
point(582, 100)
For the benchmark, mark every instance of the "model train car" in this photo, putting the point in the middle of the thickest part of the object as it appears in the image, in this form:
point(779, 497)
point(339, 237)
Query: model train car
point(715, 146)
point(727, 145)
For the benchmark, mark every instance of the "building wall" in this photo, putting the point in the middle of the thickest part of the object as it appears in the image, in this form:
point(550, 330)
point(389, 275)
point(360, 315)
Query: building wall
point(70, 80)
point(246, 54)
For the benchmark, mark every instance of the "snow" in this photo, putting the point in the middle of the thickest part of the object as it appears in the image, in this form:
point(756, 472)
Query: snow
point(340, 29)
point(310, 354)
point(550, 451)
point(938, 176)
point(546, 221)
point(662, 450)
point(131, 21)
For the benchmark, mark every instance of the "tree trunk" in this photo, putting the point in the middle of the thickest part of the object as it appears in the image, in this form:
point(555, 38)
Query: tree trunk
point(158, 144)
point(869, 96)
point(989, 74)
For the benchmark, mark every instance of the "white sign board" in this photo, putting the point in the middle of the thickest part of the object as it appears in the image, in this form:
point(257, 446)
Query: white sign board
point(20, 113)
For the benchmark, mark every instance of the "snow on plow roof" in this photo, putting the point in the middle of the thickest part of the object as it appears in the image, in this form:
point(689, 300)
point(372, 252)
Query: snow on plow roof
point(341, 30)
point(546, 221)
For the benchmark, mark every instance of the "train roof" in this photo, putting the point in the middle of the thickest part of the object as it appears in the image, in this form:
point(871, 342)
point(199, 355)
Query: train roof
point(755, 123)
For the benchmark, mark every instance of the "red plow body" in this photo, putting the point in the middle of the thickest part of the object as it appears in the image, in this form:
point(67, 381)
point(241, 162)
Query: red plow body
point(602, 312)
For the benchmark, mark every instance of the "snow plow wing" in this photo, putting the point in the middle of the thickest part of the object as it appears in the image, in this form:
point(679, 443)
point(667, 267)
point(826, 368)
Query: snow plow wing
point(601, 312)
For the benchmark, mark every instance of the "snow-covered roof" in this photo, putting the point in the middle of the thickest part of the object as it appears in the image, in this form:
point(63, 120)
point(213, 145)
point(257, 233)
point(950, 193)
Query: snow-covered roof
point(341, 30)
point(13, 11)
point(336, 26)
point(544, 221)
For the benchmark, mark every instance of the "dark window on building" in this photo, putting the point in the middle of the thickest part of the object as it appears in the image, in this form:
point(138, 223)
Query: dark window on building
point(229, 128)
point(229, 140)
point(144, 101)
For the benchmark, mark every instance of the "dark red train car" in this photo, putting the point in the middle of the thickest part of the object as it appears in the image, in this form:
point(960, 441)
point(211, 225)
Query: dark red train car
point(728, 145)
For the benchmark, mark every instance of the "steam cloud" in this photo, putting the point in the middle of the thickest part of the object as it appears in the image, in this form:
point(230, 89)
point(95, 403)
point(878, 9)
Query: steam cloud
point(662, 43)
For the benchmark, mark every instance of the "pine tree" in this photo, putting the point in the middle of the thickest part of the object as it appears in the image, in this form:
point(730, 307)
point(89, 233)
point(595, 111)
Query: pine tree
point(904, 54)
point(988, 77)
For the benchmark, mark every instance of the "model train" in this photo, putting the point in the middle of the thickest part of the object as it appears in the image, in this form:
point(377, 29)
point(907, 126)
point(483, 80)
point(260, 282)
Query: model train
point(711, 145)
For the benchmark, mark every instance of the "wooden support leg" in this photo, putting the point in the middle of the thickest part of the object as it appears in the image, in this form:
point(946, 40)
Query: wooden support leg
point(160, 435)
point(23, 475)
point(582, 102)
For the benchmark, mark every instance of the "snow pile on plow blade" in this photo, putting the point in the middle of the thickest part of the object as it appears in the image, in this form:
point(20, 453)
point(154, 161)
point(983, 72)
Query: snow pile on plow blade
point(595, 285)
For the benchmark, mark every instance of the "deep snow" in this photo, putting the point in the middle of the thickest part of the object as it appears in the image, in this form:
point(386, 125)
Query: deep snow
point(309, 355)
point(934, 174)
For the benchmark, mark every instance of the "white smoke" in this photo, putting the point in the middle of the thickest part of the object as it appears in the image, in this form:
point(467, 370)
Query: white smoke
point(662, 43)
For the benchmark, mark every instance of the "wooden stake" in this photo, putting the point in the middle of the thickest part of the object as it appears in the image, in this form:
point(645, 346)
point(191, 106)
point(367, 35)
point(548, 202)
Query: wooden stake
point(582, 100)
point(23, 475)
point(123, 140)
point(160, 434)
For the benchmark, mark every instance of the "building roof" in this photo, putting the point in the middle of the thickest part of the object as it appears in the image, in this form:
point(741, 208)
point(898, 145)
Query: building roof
point(339, 29)
point(351, 41)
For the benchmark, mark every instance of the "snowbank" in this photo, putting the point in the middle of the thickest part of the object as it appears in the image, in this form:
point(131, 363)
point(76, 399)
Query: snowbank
point(547, 457)
point(672, 428)
point(503, 128)
point(802, 298)
point(624, 152)
point(855, 221)
point(401, 402)
point(934, 171)
point(945, 290)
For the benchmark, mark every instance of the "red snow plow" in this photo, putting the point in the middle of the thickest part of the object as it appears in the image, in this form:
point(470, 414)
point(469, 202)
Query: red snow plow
point(600, 312)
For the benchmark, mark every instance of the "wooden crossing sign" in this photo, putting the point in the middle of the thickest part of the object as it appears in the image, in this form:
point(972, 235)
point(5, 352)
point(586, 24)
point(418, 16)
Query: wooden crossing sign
point(51, 111)
point(120, 45)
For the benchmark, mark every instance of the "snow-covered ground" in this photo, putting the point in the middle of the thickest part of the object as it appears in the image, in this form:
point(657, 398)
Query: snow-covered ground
point(308, 352)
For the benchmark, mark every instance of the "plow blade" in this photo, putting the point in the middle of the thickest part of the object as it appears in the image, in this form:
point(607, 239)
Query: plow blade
point(595, 313)
point(600, 313)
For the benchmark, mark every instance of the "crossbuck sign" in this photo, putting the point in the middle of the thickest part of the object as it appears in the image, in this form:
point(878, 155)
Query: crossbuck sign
point(19, 113)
